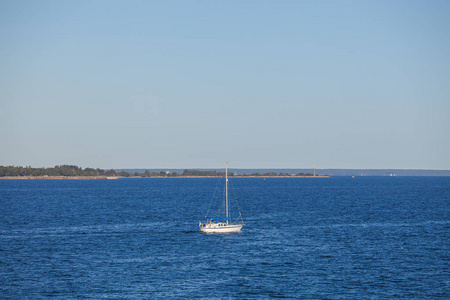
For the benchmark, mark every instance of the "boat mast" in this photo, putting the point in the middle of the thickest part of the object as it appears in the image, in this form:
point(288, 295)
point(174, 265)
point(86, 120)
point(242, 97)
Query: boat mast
point(226, 188)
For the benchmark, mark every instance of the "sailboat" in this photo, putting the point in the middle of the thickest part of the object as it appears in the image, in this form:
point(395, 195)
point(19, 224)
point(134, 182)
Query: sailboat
point(222, 224)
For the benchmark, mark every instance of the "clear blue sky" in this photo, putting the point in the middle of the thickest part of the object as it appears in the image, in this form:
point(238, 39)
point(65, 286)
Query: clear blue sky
point(190, 84)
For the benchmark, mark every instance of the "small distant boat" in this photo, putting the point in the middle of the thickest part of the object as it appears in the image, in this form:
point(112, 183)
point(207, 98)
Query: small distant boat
point(223, 224)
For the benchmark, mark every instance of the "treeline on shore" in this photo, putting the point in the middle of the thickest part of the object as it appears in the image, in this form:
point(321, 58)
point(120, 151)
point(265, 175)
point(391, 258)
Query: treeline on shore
point(194, 173)
point(70, 170)
point(64, 170)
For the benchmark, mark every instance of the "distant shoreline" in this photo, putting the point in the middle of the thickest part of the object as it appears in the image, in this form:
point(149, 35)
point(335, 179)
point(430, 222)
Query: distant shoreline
point(58, 177)
point(132, 177)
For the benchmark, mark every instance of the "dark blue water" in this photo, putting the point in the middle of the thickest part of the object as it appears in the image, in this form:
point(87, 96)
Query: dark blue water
point(374, 237)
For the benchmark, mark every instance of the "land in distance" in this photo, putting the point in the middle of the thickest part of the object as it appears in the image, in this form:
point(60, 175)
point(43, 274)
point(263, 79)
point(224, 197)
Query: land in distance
point(74, 172)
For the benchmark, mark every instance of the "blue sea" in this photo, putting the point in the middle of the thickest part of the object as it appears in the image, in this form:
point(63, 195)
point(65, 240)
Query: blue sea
point(305, 238)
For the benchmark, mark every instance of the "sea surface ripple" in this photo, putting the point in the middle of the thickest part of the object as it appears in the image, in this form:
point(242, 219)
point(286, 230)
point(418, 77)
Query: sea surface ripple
point(327, 238)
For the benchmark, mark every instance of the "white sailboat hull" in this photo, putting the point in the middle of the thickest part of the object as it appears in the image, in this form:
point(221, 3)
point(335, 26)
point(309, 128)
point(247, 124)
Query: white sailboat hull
point(220, 228)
